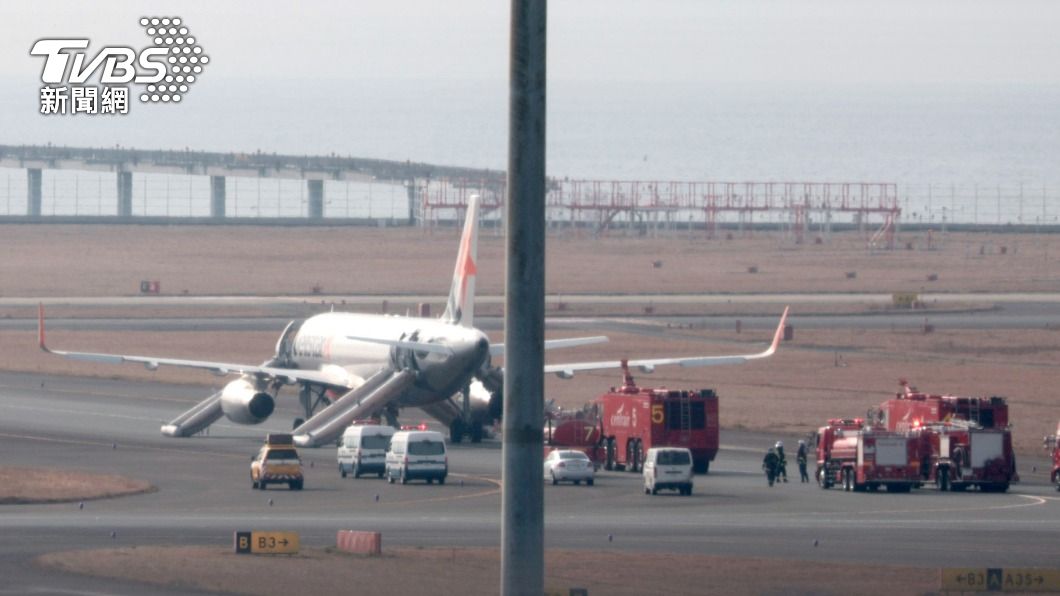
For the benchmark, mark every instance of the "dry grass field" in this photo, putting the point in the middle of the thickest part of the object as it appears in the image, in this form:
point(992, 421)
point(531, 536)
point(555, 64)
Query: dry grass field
point(400, 571)
point(30, 485)
point(104, 260)
point(821, 374)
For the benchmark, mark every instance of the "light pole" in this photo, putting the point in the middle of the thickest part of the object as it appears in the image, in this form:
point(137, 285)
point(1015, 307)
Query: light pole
point(522, 505)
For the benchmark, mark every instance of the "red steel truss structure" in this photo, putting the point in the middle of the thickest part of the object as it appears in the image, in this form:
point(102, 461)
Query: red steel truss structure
point(606, 204)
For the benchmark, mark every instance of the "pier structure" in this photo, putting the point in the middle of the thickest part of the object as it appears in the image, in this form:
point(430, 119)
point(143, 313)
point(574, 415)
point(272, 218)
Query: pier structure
point(314, 170)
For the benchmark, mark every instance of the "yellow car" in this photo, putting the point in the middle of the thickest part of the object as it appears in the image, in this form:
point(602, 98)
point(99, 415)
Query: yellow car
point(277, 463)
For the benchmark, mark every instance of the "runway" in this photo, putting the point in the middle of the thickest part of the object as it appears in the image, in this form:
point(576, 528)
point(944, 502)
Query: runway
point(1006, 315)
point(204, 495)
point(624, 298)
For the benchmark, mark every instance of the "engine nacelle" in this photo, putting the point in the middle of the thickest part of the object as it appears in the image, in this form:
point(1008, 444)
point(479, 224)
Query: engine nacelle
point(243, 403)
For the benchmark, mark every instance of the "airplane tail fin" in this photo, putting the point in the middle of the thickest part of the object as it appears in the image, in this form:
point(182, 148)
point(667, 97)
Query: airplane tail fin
point(460, 308)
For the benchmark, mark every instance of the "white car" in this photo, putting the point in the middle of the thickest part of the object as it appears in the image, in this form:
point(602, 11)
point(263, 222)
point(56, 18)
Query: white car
point(668, 467)
point(362, 449)
point(568, 465)
point(417, 454)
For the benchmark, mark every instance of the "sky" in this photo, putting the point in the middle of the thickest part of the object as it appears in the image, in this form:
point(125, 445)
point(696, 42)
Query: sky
point(908, 90)
point(899, 41)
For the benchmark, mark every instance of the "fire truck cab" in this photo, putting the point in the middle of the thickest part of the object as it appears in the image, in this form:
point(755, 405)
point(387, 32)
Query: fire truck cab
point(825, 437)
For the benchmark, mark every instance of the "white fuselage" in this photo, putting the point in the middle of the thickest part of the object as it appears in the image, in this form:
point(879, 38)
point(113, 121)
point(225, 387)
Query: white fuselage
point(324, 343)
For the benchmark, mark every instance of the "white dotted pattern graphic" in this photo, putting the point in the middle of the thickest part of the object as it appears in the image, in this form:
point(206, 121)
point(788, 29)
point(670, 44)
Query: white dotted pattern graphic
point(185, 56)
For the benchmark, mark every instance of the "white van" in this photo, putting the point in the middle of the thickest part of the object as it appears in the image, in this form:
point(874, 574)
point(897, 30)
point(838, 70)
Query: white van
point(362, 449)
point(417, 454)
point(668, 467)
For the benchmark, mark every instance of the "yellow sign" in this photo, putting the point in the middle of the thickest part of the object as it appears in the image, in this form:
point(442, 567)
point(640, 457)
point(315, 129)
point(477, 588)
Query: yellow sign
point(905, 299)
point(657, 416)
point(266, 543)
point(997, 579)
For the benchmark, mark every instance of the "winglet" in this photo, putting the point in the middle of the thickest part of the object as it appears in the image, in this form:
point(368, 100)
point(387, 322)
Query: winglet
point(460, 307)
point(779, 334)
point(40, 327)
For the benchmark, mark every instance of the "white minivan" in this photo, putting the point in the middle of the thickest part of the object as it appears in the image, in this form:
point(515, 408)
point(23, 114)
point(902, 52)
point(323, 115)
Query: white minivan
point(417, 454)
point(362, 449)
point(668, 467)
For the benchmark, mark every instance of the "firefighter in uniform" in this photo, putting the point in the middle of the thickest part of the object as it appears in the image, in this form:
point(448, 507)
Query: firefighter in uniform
point(770, 463)
point(800, 457)
point(782, 466)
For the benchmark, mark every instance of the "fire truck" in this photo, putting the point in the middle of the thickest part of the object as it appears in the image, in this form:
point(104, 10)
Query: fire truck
point(634, 419)
point(910, 409)
point(1053, 442)
point(579, 430)
point(859, 458)
point(957, 455)
point(964, 441)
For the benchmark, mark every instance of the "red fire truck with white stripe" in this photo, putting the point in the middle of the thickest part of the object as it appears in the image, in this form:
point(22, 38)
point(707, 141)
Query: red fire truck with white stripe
point(859, 458)
point(634, 419)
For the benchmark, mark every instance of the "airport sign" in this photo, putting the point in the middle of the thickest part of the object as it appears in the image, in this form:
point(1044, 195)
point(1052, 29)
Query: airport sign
point(266, 543)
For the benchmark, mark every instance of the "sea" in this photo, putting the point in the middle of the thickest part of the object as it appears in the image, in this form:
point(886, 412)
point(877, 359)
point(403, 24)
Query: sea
point(963, 153)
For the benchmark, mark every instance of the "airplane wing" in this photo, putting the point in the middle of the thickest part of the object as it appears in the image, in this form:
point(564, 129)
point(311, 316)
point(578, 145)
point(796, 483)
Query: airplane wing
point(566, 371)
point(287, 375)
point(552, 344)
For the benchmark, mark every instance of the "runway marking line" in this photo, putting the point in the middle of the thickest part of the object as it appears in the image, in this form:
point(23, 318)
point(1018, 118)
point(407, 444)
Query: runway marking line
point(485, 493)
point(1046, 498)
point(1036, 501)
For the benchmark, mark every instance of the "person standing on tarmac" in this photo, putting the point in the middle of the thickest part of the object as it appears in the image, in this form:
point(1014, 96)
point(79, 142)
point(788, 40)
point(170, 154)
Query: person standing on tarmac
point(800, 457)
point(770, 463)
point(782, 466)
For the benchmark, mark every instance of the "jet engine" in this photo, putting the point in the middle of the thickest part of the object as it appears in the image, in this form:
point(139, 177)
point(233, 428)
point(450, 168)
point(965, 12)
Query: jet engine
point(244, 403)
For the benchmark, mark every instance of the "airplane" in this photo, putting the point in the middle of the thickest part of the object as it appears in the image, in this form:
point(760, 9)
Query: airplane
point(352, 366)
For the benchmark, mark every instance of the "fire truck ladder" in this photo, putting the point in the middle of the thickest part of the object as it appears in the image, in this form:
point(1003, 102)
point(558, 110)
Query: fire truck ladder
point(686, 413)
point(973, 410)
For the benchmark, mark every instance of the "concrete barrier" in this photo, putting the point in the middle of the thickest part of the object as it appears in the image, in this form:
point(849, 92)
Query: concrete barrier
point(360, 543)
